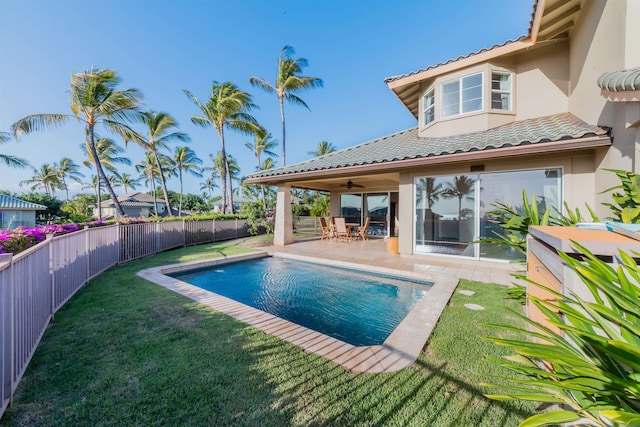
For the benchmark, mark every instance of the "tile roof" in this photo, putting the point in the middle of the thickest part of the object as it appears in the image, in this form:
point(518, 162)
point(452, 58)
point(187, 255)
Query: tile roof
point(440, 64)
point(406, 144)
point(8, 202)
point(620, 81)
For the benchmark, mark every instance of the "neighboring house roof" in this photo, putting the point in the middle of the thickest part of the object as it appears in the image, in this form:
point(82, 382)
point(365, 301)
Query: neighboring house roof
point(138, 197)
point(407, 145)
point(620, 81)
point(550, 20)
point(133, 200)
point(8, 202)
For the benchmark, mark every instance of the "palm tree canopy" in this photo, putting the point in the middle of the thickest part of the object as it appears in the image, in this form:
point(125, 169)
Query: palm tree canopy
point(186, 160)
point(108, 153)
point(262, 143)
point(227, 106)
point(324, 147)
point(7, 159)
point(67, 167)
point(158, 126)
point(288, 78)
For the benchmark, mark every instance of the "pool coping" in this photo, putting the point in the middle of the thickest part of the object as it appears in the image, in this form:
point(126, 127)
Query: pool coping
point(398, 351)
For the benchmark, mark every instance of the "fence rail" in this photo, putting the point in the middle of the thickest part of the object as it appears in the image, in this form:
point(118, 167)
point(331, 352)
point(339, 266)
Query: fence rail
point(37, 282)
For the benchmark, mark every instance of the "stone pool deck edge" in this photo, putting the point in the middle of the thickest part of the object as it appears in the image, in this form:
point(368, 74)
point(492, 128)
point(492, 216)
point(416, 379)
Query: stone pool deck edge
point(400, 349)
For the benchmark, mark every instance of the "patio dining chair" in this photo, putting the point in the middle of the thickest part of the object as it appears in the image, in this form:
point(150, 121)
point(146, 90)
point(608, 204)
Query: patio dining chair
point(361, 232)
point(327, 231)
point(341, 230)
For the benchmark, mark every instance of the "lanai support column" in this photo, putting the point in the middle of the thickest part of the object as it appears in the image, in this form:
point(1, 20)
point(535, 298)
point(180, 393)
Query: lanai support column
point(283, 232)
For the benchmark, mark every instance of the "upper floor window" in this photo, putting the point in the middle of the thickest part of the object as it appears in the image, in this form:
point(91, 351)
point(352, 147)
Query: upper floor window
point(462, 95)
point(429, 107)
point(501, 91)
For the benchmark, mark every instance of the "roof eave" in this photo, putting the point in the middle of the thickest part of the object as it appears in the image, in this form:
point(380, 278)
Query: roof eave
point(519, 150)
point(621, 96)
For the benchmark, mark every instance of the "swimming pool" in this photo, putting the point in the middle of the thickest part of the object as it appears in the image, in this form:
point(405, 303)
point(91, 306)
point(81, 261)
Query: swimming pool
point(359, 308)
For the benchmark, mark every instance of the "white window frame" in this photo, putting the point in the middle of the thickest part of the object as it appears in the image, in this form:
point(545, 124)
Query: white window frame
point(500, 91)
point(431, 93)
point(459, 81)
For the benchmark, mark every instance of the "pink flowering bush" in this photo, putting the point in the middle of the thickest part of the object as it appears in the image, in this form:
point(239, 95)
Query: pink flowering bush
point(19, 239)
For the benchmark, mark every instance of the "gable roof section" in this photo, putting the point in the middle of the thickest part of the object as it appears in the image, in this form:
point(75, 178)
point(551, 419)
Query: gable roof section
point(550, 20)
point(405, 145)
point(138, 197)
point(9, 202)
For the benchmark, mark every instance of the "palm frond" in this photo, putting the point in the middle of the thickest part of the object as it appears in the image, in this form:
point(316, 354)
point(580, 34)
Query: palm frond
point(13, 161)
point(261, 83)
point(36, 123)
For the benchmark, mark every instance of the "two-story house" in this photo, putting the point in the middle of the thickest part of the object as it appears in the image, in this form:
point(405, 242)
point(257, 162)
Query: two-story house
point(547, 113)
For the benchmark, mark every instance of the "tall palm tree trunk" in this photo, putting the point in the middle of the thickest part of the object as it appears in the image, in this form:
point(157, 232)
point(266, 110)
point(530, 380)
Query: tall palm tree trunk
point(102, 177)
point(225, 165)
point(66, 189)
point(264, 198)
point(180, 206)
point(163, 182)
point(284, 151)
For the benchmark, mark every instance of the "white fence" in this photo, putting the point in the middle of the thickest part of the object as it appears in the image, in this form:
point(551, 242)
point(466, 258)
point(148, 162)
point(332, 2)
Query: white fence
point(37, 282)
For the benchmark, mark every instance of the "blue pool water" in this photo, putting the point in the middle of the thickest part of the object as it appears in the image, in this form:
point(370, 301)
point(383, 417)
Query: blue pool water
point(356, 307)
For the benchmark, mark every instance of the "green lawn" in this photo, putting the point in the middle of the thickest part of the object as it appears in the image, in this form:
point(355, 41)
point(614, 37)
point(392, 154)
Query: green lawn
point(124, 351)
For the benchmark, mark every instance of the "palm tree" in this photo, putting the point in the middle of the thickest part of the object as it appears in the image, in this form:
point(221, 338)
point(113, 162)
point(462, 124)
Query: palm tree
point(159, 134)
point(95, 185)
point(94, 99)
point(208, 185)
point(266, 165)
point(67, 167)
point(460, 187)
point(218, 169)
point(186, 161)
point(324, 147)
point(127, 181)
point(288, 81)
point(46, 177)
point(148, 170)
point(262, 143)
point(227, 107)
point(108, 154)
point(11, 161)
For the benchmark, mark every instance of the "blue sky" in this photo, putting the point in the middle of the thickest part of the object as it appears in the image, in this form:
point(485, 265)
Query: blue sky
point(162, 47)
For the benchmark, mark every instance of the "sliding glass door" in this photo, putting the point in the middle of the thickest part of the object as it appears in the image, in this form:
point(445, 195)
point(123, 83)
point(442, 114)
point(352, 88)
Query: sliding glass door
point(453, 211)
point(445, 214)
point(355, 208)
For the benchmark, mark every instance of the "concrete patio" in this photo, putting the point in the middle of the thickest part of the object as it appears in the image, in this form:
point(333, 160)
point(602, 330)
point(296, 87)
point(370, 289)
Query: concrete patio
point(373, 252)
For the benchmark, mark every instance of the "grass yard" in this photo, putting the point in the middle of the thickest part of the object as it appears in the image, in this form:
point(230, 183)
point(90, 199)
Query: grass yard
point(124, 351)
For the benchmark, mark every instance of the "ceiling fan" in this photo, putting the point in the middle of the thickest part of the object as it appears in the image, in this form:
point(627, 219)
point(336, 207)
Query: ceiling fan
point(350, 184)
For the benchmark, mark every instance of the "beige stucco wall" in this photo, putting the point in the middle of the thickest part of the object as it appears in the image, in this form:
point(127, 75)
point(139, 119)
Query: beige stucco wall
point(542, 81)
point(606, 38)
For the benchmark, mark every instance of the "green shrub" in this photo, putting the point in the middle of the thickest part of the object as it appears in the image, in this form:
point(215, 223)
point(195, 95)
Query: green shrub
point(591, 369)
point(626, 206)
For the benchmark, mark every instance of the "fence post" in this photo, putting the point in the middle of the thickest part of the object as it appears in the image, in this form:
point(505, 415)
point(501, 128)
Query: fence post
point(213, 230)
point(12, 323)
point(157, 239)
point(49, 240)
point(86, 251)
point(184, 233)
point(236, 228)
point(118, 242)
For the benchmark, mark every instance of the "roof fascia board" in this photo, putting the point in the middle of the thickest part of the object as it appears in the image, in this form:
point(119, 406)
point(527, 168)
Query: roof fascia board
point(462, 63)
point(537, 19)
point(538, 148)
